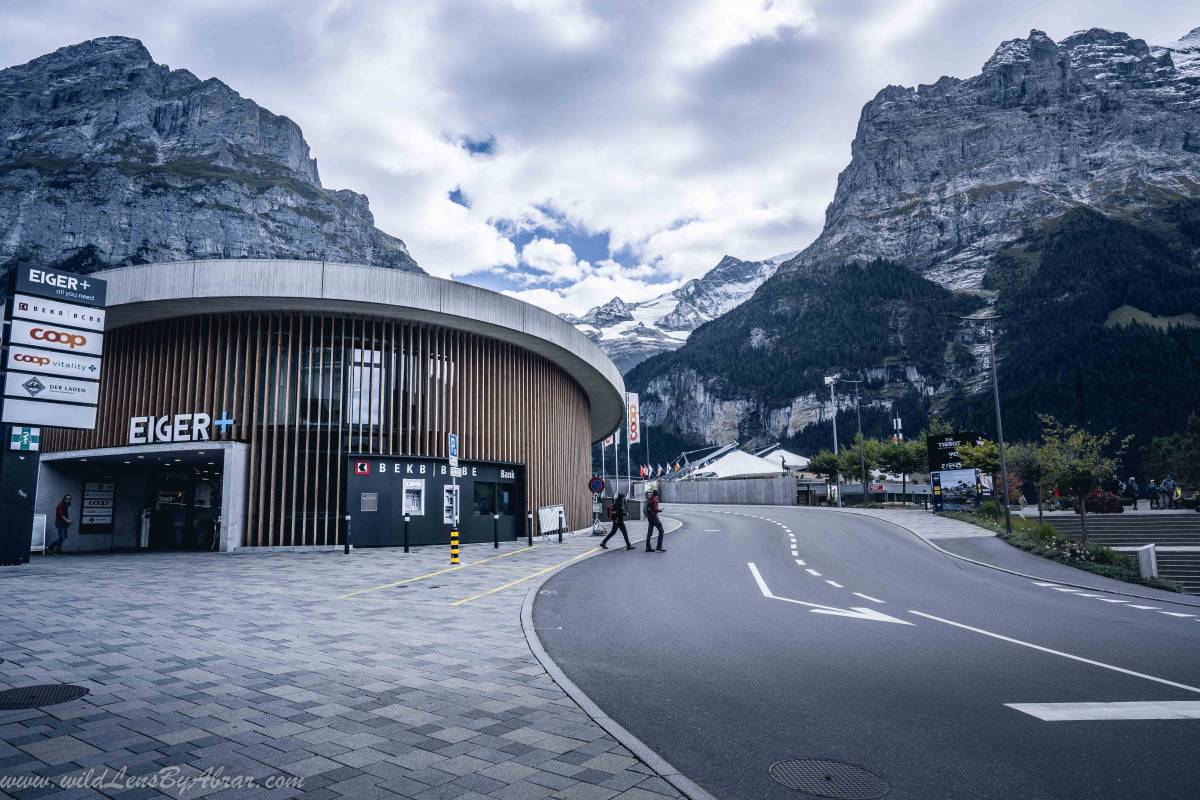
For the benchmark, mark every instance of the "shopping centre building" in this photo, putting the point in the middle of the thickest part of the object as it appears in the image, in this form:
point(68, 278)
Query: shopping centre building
point(262, 403)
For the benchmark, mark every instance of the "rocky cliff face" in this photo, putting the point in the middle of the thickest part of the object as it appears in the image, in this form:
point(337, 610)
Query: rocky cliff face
point(632, 332)
point(108, 158)
point(943, 175)
point(943, 178)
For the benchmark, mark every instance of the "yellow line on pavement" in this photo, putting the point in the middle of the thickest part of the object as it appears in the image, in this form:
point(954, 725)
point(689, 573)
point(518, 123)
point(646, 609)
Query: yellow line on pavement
point(511, 584)
point(415, 578)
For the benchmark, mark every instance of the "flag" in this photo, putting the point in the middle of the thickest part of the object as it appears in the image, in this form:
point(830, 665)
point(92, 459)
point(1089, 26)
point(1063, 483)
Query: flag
point(633, 418)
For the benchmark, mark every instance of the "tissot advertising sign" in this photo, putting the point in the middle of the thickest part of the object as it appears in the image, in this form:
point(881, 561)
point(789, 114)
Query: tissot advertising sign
point(65, 286)
point(44, 362)
point(943, 450)
point(41, 310)
point(56, 337)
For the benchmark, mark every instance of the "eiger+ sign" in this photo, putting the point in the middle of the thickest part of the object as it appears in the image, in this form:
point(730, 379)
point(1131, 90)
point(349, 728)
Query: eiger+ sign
point(196, 427)
point(65, 286)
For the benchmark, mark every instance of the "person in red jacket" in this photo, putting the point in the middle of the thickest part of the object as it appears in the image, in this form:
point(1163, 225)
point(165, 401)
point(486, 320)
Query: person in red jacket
point(62, 521)
point(653, 506)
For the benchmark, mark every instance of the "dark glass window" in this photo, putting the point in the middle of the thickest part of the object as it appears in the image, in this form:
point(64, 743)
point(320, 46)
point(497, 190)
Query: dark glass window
point(506, 499)
point(485, 498)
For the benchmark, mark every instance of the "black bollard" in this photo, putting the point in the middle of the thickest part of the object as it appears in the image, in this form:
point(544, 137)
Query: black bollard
point(346, 545)
point(406, 519)
point(529, 527)
point(560, 526)
point(496, 531)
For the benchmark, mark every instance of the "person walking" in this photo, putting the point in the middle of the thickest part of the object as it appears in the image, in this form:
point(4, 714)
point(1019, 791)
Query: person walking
point(1168, 491)
point(62, 521)
point(1132, 492)
point(1178, 497)
point(616, 512)
point(653, 506)
point(1152, 491)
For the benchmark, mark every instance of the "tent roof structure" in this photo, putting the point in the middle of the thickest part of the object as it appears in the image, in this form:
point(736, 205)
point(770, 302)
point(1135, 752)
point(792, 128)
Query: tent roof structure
point(738, 464)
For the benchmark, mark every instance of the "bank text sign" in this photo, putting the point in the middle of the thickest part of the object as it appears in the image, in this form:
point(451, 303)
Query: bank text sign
point(27, 306)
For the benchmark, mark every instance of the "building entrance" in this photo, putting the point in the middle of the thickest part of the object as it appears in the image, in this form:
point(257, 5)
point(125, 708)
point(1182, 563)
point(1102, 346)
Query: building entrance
point(182, 509)
point(143, 498)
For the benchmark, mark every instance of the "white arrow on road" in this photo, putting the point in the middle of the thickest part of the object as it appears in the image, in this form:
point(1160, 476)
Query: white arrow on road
point(854, 613)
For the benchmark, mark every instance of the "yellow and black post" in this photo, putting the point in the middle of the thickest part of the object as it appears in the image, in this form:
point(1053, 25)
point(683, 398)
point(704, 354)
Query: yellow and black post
point(454, 545)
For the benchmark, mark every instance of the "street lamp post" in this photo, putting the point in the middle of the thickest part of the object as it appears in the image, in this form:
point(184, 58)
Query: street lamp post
point(832, 381)
point(862, 443)
point(999, 427)
point(991, 332)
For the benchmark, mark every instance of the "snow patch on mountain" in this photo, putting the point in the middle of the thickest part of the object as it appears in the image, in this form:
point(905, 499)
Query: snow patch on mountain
point(632, 332)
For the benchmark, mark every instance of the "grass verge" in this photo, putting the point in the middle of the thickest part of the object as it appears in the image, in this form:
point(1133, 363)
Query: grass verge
point(1043, 540)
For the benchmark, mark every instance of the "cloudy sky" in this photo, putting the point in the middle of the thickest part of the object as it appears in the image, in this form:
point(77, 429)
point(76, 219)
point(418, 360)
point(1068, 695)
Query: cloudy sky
point(573, 150)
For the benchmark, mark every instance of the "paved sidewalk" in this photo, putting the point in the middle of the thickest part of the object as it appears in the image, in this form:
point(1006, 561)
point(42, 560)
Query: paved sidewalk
point(355, 673)
point(972, 542)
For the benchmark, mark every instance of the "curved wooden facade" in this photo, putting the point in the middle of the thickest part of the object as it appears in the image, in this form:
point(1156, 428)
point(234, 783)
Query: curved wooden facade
point(306, 390)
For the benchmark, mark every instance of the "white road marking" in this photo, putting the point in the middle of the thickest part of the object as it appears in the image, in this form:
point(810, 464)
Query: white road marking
point(799, 562)
point(1072, 712)
point(867, 597)
point(1100, 664)
point(813, 572)
point(1064, 589)
point(1176, 614)
point(835, 584)
point(853, 612)
point(1040, 583)
point(712, 530)
point(1089, 595)
point(1112, 600)
point(1145, 608)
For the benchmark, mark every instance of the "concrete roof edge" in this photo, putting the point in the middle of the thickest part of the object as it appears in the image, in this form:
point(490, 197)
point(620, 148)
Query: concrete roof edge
point(164, 290)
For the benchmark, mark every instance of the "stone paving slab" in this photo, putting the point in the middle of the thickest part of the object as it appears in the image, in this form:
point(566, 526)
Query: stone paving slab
point(259, 667)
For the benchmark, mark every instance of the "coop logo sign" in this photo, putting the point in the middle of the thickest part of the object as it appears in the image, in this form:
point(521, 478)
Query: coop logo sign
point(55, 337)
point(194, 427)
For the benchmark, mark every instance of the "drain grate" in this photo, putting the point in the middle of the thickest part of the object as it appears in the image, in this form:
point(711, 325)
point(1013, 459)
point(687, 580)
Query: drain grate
point(828, 779)
point(37, 696)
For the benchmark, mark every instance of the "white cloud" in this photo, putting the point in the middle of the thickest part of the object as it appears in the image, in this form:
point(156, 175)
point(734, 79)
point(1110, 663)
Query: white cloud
point(555, 259)
point(685, 129)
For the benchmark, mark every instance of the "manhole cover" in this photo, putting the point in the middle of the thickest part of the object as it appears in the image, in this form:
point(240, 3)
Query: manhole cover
point(37, 696)
point(828, 779)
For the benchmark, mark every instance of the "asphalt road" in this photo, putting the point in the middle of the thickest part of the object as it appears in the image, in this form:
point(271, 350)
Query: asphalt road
point(687, 651)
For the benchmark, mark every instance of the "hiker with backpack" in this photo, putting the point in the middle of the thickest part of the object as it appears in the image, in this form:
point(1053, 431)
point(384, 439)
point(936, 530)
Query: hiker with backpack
point(653, 506)
point(616, 513)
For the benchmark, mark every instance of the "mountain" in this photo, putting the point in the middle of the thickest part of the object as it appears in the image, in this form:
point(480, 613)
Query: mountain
point(108, 158)
point(632, 332)
point(964, 194)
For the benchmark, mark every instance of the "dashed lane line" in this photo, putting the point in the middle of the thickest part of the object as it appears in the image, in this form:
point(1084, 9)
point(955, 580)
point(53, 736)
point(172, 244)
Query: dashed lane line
point(799, 562)
point(1145, 608)
point(813, 572)
point(867, 597)
point(835, 584)
point(1176, 614)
